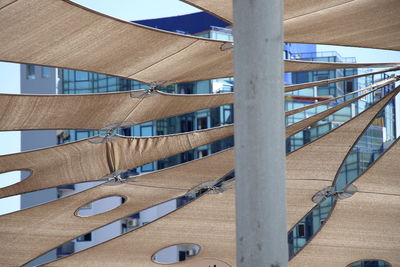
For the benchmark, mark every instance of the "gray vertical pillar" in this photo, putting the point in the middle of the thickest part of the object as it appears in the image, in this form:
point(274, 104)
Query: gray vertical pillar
point(259, 134)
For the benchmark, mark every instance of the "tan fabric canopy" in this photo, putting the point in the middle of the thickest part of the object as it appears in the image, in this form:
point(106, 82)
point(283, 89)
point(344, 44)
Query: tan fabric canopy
point(295, 87)
point(95, 111)
point(364, 226)
point(209, 222)
point(362, 23)
point(193, 224)
point(223, 8)
point(31, 112)
point(52, 224)
point(62, 164)
point(371, 232)
point(299, 192)
point(122, 49)
point(298, 126)
point(321, 159)
point(42, 176)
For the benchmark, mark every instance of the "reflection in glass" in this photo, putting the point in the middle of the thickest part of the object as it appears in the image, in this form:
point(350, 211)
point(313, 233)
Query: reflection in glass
point(128, 223)
point(299, 235)
point(313, 111)
point(370, 263)
point(334, 120)
point(375, 140)
point(176, 253)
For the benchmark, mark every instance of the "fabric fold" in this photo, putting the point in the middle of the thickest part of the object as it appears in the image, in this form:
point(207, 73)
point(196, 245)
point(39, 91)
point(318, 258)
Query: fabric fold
point(85, 161)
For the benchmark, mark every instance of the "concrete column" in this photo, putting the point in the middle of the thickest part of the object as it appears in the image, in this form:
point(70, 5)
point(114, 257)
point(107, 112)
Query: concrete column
point(259, 134)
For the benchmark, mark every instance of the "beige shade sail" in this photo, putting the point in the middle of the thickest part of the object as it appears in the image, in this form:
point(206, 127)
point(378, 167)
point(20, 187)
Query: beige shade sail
point(298, 126)
point(122, 49)
point(371, 232)
point(295, 87)
point(299, 193)
point(96, 111)
point(321, 159)
point(52, 224)
point(84, 161)
point(364, 226)
point(361, 23)
point(195, 224)
point(208, 222)
point(224, 8)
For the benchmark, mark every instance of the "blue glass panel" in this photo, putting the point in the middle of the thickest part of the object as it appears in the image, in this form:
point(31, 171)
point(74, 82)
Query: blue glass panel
point(81, 75)
point(375, 140)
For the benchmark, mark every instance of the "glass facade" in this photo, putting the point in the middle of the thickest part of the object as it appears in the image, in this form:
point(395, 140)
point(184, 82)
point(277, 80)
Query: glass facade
point(370, 263)
point(373, 142)
point(299, 235)
point(80, 82)
point(332, 121)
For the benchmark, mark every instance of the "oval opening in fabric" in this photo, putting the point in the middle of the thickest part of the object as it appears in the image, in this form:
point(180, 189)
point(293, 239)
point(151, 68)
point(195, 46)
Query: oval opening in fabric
point(13, 177)
point(368, 263)
point(176, 253)
point(209, 263)
point(100, 206)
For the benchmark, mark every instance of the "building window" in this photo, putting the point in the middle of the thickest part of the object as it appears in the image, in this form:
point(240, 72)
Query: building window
point(203, 153)
point(46, 72)
point(227, 115)
point(85, 238)
point(301, 230)
point(79, 135)
point(148, 167)
point(81, 76)
point(146, 130)
point(349, 86)
point(186, 125)
point(30, 72)
point(202, 123)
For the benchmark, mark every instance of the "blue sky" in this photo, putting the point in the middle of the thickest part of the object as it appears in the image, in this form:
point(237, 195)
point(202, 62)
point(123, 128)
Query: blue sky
point(137, 10)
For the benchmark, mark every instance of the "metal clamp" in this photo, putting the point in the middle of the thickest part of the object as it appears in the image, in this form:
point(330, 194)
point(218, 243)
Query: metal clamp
point(329, 191)
point(110, 132)
point(119, 177)
point(151, 91)
point(212, 187)
point(227, 46)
